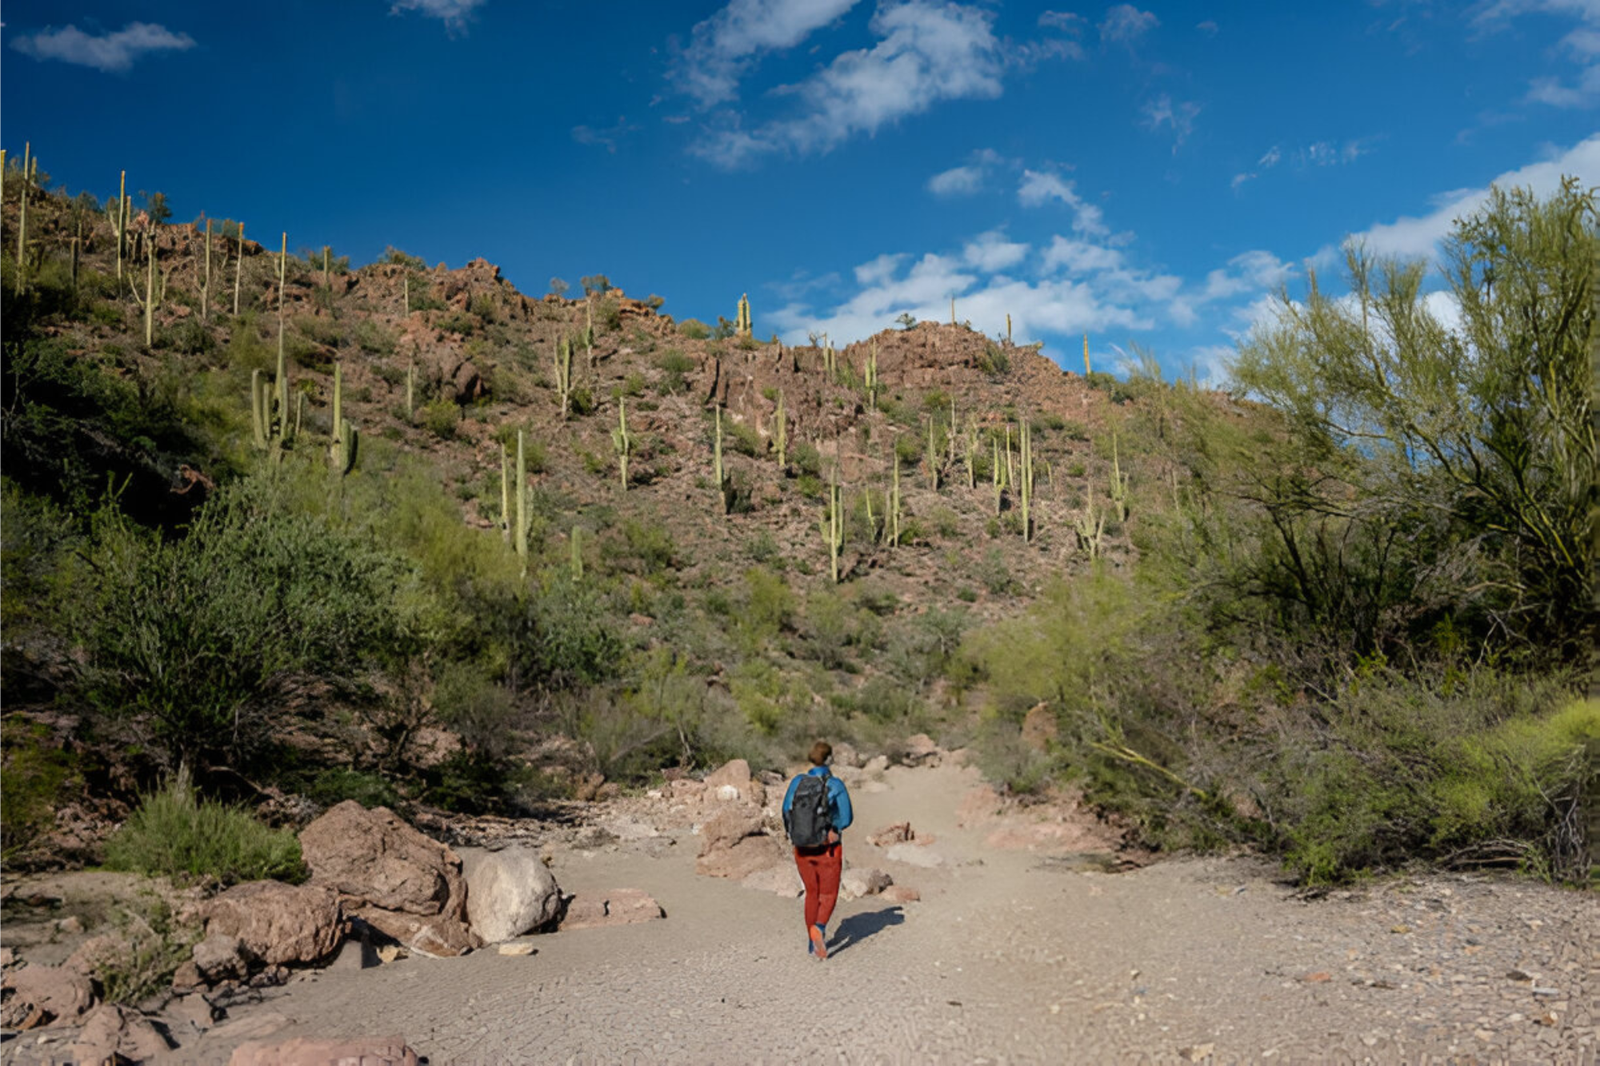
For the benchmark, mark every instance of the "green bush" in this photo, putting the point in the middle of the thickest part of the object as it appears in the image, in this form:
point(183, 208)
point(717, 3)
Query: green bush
point(173, 834)
point(694, 329)
point(441, 417)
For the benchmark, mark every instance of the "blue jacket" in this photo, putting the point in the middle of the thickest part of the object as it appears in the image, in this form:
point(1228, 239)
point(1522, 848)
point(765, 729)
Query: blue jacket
point(838, 799)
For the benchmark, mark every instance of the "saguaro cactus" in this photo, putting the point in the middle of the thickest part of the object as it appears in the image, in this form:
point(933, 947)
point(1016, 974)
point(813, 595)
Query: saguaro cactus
point(1008, 327)
point(521, 540)
point(238, 271)
point(832, 524)
point(411, 392)
point(931, 457)
point(621, 441)
point(283, 265)
point(716, 456)
point(1027, 481)
point(152, 294)
point(1119, 483)
point(1090, 528)
point(742, 325)
point(872, 373)
point(588, 334)
point(575, 541)
point(342, 449)
point(22, 203)
point(1085, 355)
point(998, 474)
point(564, 374)
point(894, 497)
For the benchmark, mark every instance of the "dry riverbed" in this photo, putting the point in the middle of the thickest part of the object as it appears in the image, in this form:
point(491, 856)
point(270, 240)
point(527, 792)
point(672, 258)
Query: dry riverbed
point(1011, 955)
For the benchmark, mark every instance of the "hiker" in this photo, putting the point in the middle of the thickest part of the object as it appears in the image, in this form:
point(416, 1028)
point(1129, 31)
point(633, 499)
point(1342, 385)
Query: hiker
point(816, 810)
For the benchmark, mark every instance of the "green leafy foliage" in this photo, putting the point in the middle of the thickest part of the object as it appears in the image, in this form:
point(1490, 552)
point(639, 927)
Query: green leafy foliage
point(176, 835)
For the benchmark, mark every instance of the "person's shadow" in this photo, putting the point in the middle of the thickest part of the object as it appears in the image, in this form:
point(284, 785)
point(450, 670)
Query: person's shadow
point(858, 927)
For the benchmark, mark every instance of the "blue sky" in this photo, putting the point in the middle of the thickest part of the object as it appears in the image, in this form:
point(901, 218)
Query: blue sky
point(1148, 174)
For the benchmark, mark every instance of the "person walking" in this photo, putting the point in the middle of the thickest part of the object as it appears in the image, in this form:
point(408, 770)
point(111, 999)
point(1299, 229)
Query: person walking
point(816, 811)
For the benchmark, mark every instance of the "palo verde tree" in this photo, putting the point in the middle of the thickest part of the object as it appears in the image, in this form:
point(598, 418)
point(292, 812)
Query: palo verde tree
point(1442, 444)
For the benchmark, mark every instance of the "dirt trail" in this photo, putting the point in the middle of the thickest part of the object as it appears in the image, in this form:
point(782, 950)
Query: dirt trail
point(1010, 957)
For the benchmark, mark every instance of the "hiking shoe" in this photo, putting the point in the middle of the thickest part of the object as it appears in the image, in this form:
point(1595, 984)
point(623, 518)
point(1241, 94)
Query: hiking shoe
point(819, 945)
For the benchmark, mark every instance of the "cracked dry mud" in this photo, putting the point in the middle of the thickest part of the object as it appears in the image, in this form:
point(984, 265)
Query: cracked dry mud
point(1009, 958)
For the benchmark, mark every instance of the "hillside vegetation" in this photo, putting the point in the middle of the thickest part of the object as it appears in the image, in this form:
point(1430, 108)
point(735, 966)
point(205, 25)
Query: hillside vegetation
point(409, 536)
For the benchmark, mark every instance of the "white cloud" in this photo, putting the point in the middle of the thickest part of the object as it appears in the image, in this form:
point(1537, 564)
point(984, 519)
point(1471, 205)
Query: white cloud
point(1040, 187)
point(1418, 236)
point(1270, 157)
point(723, 47)
point(1208, 27)
point(991, 252)
point(1178, 117)
point(957, 181)
point(928, 52)
point(1125, 24)
point(1066, 21)
point(1249, 271)
point(1582, 43)
point(453, 13)
point(1239, 180)
point(876, 271)
point(1080, 257)
point(113, 53)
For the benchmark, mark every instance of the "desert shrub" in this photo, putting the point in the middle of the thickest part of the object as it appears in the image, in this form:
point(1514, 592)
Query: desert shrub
point(674, 365)
point(694, 329)
point(174, 834)
point(806, 459)
point(151, 943)
point(398, 258)
point(336, 784)
point(39, 776)
point(743, 438)
point(475, 705)
point(372, 337)
point(441, 416)
point(994, 360)
point(193, 641)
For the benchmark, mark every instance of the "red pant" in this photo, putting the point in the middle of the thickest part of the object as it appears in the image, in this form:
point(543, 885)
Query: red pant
point(820, 869)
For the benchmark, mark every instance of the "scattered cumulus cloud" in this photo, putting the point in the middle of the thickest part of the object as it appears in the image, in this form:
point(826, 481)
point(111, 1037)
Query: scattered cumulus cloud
point(606, 137)
point(1269, 158)
point(453, 13)
point(991, 252)
point(927, 52)
point(957, 181)
point(1066, 21)
point(113, 53)
point(1125, 24)
point(723, 47)
point(1208, 27)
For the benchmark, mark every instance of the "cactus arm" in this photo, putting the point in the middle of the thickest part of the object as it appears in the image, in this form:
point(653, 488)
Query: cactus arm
point(621, 441)
point(522, 506)
point(238, 271)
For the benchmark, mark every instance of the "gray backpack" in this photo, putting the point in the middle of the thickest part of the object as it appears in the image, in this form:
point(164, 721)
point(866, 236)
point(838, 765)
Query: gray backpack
point(809, 820)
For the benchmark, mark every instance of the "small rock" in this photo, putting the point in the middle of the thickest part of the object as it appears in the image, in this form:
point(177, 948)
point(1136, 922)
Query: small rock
point(1317, 978)
point(1400, 929)
point(220, 957)
point(509, 893)
point(45, 994)
point(1546, 991)
point(875, 765)
point(516, 948)
point(921, 750)
point(901, 894)
point(890, 835)
point(1197, 1052)
point(71, 925)
point(277, 923)
point(620, 906)
point(855, 884)
point(192, 1012)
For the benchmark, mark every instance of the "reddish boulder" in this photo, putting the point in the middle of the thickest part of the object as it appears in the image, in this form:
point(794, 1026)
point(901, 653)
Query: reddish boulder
point(277, 923)
point(375, 858)
point(621, 906)
point(734, 845)
point(118, 1034)
point(45, 995)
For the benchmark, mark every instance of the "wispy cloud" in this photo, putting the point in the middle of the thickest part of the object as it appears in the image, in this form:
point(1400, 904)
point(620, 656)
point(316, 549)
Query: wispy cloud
point(990, 252)
point(723, 47)
point(606, 137)
point(1178, 117)
point(1125, 24)
point(1420, 236)
point(927, 52)
point(1039, 187)
point(968, 178)
point(113, 53)
point(455, 14)
point(1581, 46)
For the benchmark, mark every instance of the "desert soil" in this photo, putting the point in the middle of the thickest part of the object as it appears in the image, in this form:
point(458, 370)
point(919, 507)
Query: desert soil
point(1011, 956)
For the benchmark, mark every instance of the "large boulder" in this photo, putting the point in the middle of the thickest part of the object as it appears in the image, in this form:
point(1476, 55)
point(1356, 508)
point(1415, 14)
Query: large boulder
point(365, 1051)
point(275, 923)
point(732, 782)
point(734, 844)
point(509, 892)
point(620, 906)
point(782, 879)
point(45, 995)
point(374, 857)
point(118, 1034)
point(402, 883)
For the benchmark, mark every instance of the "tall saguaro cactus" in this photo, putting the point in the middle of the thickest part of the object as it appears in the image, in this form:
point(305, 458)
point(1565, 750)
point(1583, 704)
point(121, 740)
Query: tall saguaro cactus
point(716, 457)
point(1119, 483)
point(780, 433)
point(742, 325)
point(238, 271)
point(932, 457)
point(505, 495)
point(205, 288)
point(1085, 355)
point(521, 539)
point(894, 497)
point(622, 441)
point(152, 294)
point(283, 266)
point(22, 203)
point(564, 374)
point(872, 373)
point(832, 524)
point(342, 449)
point(1026, 484)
